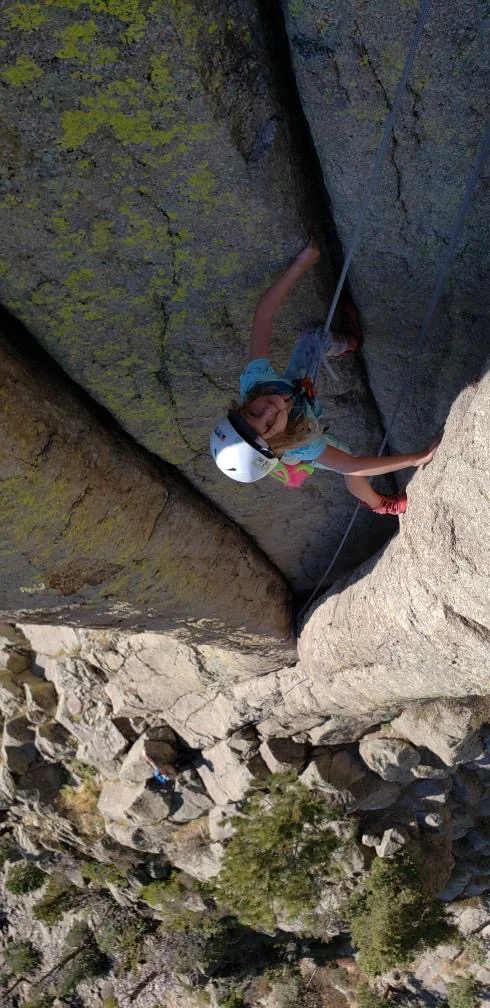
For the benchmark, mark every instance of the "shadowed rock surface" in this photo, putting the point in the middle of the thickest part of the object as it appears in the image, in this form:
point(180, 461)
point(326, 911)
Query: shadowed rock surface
point(94, 531)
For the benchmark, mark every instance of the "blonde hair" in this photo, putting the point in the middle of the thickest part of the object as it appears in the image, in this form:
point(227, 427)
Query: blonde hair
point(298, 432)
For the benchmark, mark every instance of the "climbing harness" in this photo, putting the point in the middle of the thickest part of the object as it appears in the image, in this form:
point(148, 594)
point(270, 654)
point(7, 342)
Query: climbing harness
point(442, 274)
point(292, 476)
point(305, 385)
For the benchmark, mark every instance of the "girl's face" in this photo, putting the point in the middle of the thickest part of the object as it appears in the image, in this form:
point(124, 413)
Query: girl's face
point(268, 414)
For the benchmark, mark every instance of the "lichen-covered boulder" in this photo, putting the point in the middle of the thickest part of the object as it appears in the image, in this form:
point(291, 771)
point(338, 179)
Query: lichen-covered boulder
point(152, 189)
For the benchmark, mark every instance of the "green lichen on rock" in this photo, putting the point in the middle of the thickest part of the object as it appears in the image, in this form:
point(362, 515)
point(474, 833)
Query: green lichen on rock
point(24, 71)
point(131, 12)
point(153, 234)
point(26, 16)
point(129, 108)
point(77, 40)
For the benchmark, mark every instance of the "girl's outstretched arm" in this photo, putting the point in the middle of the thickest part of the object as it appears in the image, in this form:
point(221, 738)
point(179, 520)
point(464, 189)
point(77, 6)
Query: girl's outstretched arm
point(261, 338)
point(373, 465)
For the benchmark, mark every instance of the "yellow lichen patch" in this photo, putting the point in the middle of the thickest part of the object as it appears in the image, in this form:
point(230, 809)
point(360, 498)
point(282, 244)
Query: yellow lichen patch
point(101, 235)
point(229, 264)
point(77, 41)
point(130, 12)
point(104, 55)
point(24, 71)
point(161, 74)
point(119, 107)
point(201, 184)
point(26, 16)
point(78, 279)
point(36, 510)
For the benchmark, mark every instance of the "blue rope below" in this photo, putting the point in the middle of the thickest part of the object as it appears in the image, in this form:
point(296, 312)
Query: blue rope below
point(442, 274)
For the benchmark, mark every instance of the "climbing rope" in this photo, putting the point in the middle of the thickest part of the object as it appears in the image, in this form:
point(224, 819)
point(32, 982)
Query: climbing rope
point(442, 274)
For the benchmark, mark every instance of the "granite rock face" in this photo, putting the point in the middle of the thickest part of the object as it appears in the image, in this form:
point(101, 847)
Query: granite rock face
point(415, 622)
point(153, 189)
point(95, 532)
point(347, 59)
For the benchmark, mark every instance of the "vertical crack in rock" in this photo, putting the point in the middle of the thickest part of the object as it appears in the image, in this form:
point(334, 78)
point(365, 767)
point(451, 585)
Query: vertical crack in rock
point(308, 168)
point(317, 203)
point(367, 61)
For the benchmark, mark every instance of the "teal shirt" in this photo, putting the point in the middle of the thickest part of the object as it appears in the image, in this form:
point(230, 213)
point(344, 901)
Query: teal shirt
point(261, 370)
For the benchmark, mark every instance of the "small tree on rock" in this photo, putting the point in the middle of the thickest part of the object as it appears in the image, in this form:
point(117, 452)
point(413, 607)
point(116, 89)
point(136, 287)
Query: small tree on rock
point(393, 918)
point(21, 958)
point(59, 897)
point(88, 960)
point(463, 994)
point(123, 932)
point(280, 855)
point(24, 877)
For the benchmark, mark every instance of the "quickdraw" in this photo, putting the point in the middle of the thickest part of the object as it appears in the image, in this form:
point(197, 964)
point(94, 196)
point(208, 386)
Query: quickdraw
point(305, 387)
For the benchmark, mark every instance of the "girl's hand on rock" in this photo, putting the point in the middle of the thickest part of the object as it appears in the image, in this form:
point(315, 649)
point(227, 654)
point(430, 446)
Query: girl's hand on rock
point(310, 254)
point(428, 454)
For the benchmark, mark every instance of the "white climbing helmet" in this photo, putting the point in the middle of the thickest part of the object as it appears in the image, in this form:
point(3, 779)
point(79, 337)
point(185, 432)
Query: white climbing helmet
point(239, 451)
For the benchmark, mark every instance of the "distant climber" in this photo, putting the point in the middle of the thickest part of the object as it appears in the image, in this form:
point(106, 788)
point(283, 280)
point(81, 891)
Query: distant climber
point(164, 773)
point(276, 427)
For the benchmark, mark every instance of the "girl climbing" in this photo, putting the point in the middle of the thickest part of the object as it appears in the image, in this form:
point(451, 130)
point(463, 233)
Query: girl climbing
point(277, 422)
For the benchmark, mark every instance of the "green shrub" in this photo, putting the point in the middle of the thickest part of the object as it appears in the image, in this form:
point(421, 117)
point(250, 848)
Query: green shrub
point(166, 896)
point(232, 1000)
point(82, 770)
point(215, 946)
point(475, 949)
point(463, 994)
point(103, 874)
point(39, 999)
point(124, 932)
point(59, 897)
point(281, 853)
point(288, 988)
point(21, 958)
point(90, 961)
point(78, 935)
point(366, 998)
point(24, 877)
point(110, 1002)
point(393, 918)
point(7, 850)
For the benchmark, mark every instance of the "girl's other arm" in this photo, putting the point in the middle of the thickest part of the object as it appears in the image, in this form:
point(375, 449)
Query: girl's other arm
point(373, 465)
point(273, 297)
